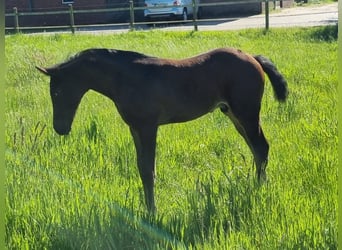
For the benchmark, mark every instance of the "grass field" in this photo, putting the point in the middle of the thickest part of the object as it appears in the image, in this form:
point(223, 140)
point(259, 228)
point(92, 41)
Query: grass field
point(83, 191)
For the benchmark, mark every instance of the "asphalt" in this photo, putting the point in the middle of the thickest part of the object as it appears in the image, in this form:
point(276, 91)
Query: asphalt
point(290, 17)
point(302, 16)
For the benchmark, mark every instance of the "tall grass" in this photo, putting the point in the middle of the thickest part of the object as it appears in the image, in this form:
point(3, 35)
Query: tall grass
point(83, 191)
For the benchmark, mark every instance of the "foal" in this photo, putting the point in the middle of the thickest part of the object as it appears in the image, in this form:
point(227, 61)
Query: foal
point(150, 91)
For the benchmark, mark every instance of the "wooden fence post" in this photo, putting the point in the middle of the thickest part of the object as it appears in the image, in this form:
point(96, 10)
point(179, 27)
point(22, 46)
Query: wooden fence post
point(267, 15)
point(72, 20)
point(194, 14)
point(131, 13)
point(16, 20)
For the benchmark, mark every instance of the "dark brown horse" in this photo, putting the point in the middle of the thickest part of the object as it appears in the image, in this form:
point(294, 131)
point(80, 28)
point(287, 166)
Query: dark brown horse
point(150, 91)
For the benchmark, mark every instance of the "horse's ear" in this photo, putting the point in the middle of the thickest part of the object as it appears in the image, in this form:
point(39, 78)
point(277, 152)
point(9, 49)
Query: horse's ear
point(43, 70)
point(46, 71)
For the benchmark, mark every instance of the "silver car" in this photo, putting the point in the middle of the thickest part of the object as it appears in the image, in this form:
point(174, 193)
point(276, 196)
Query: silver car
point(180, 9)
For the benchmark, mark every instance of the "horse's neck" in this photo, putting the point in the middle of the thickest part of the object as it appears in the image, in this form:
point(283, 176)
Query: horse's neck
point(105, 77)
point(102, 81)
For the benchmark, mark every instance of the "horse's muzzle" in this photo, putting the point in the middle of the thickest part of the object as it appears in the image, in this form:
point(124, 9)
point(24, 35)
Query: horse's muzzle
point(61, 129)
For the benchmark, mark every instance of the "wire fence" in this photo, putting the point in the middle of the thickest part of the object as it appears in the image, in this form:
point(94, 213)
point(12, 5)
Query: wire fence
point(131, 9)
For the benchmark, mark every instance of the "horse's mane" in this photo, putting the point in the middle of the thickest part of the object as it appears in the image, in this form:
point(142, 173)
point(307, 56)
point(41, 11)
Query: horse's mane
point(124, 57)
point(94, 54)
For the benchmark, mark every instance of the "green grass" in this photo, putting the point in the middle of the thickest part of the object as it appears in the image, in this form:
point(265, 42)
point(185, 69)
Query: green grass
point(83, 191)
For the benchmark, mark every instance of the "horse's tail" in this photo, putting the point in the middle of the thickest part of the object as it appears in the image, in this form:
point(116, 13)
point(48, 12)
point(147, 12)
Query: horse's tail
point(278, 81)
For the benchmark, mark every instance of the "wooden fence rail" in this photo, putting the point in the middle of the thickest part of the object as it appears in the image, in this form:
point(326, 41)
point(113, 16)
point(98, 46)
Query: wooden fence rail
point(131, 10)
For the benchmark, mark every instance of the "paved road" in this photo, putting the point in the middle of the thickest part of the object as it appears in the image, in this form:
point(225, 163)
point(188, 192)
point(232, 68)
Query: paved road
point(315, 15)
point(289, 17)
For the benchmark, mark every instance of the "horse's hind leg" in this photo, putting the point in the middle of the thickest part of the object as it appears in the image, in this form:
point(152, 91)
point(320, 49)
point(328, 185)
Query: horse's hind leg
point(259, 147)
point(248, 126)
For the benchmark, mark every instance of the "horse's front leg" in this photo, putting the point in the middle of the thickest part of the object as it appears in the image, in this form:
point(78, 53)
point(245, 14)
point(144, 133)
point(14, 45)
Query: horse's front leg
point(145, 145)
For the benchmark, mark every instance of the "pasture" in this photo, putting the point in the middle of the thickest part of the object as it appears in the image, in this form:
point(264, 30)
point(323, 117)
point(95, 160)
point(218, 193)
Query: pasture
point(83, 191)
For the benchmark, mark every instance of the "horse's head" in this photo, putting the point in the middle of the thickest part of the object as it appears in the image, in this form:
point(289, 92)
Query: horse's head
point(66, 93)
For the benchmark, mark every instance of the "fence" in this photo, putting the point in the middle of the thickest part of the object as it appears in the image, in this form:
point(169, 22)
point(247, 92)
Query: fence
point(131, 9)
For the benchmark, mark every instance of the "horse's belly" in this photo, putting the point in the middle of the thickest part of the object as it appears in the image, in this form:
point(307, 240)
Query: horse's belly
point(185, 113)
point(186, 102)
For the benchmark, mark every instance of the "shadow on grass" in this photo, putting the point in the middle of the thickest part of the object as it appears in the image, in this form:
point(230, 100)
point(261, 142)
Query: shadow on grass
point(208, 218)
point(120, 229)
point(325, 33)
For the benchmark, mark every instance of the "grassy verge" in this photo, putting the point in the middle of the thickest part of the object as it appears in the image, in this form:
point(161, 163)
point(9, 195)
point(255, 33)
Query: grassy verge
point(83, 191)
